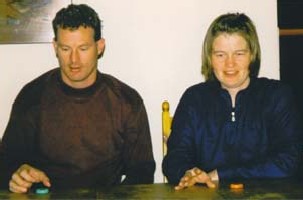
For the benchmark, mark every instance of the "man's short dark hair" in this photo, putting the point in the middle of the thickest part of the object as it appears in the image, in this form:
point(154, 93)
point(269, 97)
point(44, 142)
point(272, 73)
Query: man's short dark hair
point(75, 16)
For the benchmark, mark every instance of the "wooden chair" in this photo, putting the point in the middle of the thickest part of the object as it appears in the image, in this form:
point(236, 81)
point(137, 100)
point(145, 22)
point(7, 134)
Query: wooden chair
point(166, 127)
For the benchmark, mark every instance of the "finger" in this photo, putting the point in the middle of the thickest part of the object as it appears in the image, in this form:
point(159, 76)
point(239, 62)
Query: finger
point(191, 172)
point(182, 184)
point(204, 178)
point(39, 176)
point(25, 175)
point(14, 187)
point(185, 178)
point(189, 178)
point(179, 187)
point(188, 173)
point(192, 181)
point(46, 183)
point(18, 180)
point(197, 171)
point(210, 184)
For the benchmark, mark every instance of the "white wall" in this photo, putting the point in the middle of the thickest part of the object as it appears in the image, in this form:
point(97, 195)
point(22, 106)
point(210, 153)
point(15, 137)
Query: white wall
point(152, 45)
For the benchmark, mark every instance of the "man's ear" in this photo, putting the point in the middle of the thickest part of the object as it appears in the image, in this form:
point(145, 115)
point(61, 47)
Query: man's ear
point(101, 47)
point(55, 45)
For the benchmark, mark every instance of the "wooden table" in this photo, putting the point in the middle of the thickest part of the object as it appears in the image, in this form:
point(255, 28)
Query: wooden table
point(253, 189)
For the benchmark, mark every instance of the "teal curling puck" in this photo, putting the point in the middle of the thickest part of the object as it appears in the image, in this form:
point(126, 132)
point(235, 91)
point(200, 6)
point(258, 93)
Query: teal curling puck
point(42, 190)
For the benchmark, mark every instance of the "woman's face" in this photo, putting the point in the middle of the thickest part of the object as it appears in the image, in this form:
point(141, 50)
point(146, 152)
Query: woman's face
point(230, 60)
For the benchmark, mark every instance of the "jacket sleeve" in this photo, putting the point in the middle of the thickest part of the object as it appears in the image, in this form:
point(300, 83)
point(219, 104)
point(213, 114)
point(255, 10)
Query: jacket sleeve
point(285, 136)
point(180, 149)
point(138, 155)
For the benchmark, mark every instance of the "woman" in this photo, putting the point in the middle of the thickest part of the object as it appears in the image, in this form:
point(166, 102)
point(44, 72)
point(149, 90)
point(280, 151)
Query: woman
point(234, 125)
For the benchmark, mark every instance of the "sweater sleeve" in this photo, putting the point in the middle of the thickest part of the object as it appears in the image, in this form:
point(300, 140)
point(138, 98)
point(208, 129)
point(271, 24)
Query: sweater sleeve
point(19, 139)
point(138, 155)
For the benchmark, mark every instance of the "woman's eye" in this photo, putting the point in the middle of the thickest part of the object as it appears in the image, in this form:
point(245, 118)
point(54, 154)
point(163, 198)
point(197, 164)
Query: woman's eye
point(220, 55)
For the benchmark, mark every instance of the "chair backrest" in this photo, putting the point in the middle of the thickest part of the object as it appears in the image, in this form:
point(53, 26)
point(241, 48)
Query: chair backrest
point(166, 127)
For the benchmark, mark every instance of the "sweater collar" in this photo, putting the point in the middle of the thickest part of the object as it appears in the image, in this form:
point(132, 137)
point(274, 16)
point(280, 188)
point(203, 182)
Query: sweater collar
point(83, 92)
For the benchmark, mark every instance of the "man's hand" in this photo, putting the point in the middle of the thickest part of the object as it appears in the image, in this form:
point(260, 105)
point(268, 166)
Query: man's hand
point(24, 178)
point(193, 176)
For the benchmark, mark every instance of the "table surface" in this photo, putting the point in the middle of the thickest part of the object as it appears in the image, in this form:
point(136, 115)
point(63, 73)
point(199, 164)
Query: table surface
point(253, 189)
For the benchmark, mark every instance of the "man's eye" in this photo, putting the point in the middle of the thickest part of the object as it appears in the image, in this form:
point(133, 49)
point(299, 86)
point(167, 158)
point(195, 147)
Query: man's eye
point(64, 49)
point(84, 48)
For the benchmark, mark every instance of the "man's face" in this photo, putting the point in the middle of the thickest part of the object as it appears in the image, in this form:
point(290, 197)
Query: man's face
point(77, 53)
point(230, 60)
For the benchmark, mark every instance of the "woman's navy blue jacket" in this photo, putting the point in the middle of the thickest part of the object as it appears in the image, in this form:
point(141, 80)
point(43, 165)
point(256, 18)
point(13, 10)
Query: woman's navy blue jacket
point(264, 140)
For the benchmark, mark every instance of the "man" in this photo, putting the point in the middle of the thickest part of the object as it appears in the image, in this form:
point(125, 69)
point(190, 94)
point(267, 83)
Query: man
point(74, 126)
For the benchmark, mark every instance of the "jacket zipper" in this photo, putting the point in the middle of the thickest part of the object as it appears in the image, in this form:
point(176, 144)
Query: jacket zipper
point(233, 115)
